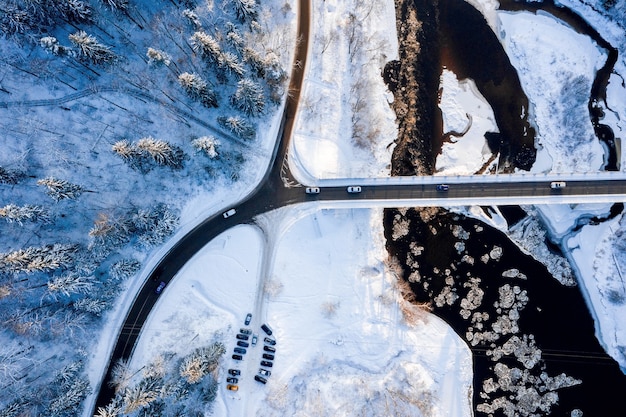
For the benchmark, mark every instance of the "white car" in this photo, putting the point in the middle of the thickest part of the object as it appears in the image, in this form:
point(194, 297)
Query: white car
point(229, 213)
point(312, 190)
point(557, 184)
point(354, 189)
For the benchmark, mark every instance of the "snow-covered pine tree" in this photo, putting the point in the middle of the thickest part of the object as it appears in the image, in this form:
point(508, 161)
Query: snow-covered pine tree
point(51, 45)
point(10, 176)
point(60, 189)
point(120, 375)
point(160, 152)
point(155, 225)
point(158, 57)
point(95, 306)
point(198, 89)
point(27, 213)
point(234, 38)
point(39, 259)
point(109, 233)
point(207, 45)
point(16, 20)
point(76, 11)
point(231, 64)
point(248, 97)
point(68, 402)
point(141, 395)
point(124, 269)
point(245, 10)
point(112, 409)
point(125, 149)
point(69, 284)
point(207, 145)
point(193, 18)
point(90, 49)
point(238, 126)
point(201, 361)
point(255, 60)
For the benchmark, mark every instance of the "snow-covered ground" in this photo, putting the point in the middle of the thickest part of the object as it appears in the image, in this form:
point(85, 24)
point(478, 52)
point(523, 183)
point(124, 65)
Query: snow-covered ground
point(343, 346)
point(345, 126)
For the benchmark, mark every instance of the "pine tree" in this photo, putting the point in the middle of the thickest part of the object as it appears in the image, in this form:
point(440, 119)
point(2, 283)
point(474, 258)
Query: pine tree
point(231, 64)
point(60, 189)
point(248, 97)
point(238, 126)
point(39, 259)
point(68, 402)
point(197, 89)
point(200, 362)
point(193, 18)
point(207, 145)
point(121, 5)
point(16, 20)
point(70, 284)
point(120, 375)
point(90, 49)
point(138, 396)
point(76, 11)
point(51, 45)
point(155, 225)
point(124, 269)
point(234, 38)
point(10, 176)
point(125, 149)
point(159, 151)
point(244, 9)
point(207, 45)
point(109, 233)
point(95, 306)
point(111, 410)
point(12, 213)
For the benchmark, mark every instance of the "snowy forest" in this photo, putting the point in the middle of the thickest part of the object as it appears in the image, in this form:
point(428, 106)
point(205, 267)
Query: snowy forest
point(113, 115)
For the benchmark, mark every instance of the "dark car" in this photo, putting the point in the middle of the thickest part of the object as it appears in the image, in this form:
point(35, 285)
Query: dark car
point(248, 319)
point(443, 187)
point(270, 341)
point(264, 372)
point(160, 287)
point(242, 337)
point(243, 330)
point(269, 349)
point(232, 380)
point(242, 343)
point(234, 372)
point(266, 363)
point(237, 357)
point(239, 350)
point(266, 329)
point(268, 356)
point(260, 379)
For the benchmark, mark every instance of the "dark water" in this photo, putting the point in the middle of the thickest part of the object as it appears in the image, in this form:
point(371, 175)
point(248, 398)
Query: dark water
point(471, 50)
point(556, 315)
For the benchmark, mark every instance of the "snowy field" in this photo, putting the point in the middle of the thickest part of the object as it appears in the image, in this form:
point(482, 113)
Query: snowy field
point(345, 126)
point(343, 346)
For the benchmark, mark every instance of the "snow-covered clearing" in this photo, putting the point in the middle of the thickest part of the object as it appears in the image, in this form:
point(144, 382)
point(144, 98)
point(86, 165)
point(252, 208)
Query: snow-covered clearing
point(345, 126)
point(343, 347)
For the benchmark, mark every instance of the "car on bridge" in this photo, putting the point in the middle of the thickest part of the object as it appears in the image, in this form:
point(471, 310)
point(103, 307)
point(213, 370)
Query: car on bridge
point(443, 187)
point(556, 185)
point(312, 190)
point(229, 213)
point(353, 189)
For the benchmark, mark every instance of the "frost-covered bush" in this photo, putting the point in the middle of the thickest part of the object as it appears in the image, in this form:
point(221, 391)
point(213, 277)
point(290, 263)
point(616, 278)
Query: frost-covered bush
point(207, 145)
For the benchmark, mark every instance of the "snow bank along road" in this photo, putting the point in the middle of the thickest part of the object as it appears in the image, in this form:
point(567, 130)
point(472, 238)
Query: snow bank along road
point(272, 193)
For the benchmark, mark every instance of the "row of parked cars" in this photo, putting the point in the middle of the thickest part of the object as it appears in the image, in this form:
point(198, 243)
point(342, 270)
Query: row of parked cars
point(243, 343)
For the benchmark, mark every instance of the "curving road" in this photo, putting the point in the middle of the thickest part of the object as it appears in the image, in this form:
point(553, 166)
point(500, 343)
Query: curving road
point(278, 188)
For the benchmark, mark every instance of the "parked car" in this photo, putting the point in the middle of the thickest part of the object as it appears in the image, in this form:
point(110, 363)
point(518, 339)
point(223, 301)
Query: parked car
point(248, 319)
point(312, 190)
point(234, 372)
point(245, 331)
point(268, 356)
point(354, 189)
point(266, 329)
point(269, 349)
point(264, 372)
point(160, 287)
point(266, 363)
point(237, 357)
point(443, 187)
point(232, 380)
point(555, 185)
point(242, 343)
point(242, 336)
point(254, 339)
point(239, 350)
point(270, 341)
point(260, 379)
point(229, 213)
point(232, 387)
